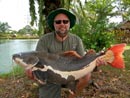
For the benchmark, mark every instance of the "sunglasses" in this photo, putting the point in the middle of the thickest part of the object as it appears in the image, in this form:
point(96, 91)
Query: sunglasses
point(59, 21)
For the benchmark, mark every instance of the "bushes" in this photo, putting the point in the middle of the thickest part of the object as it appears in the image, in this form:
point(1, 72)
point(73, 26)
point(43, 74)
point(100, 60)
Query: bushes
point(97, 40)
point(122, 36)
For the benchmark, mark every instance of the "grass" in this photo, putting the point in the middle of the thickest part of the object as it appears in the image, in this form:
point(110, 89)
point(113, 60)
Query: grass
point(17, 71)
point(127, 57)
point(19, 36)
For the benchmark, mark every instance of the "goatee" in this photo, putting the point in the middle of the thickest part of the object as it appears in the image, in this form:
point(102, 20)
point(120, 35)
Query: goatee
point(62, 34)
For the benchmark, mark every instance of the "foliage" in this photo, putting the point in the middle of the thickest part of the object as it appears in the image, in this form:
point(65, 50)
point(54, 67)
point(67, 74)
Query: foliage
point(93, 26)
point(32, 12)
point(122, 36)
point(28, 30)
point(123, 9)
point(41, 18)
point(97, 41)
point(127, 57)
point(44, 7)
point(92, 18)
point(25, 32)
point(17, 71)
point(101, 9)
point(4, 27)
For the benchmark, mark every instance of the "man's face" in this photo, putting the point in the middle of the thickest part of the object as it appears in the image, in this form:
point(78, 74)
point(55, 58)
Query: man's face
point(61, 25)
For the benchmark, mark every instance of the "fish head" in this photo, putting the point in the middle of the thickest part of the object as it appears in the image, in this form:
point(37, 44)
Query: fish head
point(25, 58)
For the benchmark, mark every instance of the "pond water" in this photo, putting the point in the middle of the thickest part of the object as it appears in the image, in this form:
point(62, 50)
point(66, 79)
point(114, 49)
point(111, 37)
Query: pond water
point(10, 47)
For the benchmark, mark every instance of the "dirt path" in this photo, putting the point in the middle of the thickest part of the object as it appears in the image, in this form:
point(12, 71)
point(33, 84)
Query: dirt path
point(112, 83)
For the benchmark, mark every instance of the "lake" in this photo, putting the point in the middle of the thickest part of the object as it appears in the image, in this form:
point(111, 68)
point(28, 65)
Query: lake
point(10, 47)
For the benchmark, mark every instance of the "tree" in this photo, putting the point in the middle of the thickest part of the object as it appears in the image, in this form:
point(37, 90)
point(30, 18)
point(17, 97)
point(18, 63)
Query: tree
point(27, 30)
point(93, 23)
point(123, 9)
point(44, 7)
point(92, 18)
point(4, 27)
point(98, 8)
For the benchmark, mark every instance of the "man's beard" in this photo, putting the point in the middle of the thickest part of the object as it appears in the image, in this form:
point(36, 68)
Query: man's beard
point(62, 34)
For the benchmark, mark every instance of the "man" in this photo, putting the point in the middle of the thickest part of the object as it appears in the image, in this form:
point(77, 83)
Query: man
point(59, 41)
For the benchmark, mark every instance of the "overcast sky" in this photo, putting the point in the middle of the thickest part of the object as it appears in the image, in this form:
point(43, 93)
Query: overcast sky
point(16, 13)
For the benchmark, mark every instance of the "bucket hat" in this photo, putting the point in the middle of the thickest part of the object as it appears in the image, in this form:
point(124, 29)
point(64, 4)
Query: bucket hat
point(51, 16)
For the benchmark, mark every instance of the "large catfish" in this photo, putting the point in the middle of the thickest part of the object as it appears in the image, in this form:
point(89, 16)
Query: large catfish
point(65, 70)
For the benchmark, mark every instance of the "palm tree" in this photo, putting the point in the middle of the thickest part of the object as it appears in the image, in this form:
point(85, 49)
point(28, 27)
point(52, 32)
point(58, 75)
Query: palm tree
point(44, 8)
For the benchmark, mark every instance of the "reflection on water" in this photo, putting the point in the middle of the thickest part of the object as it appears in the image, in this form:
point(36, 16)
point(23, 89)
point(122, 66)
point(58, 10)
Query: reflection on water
point(3, 41)
point(10, 47)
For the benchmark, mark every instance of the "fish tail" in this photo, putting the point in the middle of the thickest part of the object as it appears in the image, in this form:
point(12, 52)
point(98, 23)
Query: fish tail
point(114, 57)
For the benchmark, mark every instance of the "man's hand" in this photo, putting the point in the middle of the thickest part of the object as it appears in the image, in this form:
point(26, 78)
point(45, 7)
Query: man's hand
point(100, 61)
point(72, 54)
point(33, 77)
point(91, 51)
point(29, 73)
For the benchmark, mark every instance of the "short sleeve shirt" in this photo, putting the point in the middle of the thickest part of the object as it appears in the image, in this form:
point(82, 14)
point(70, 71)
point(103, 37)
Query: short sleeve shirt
point(50, 44)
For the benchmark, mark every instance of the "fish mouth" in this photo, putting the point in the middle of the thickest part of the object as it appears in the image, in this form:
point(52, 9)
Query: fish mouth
point(17, 59)
point(15, 56)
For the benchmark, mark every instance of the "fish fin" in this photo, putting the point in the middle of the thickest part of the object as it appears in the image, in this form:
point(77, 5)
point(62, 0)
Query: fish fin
point(40, 76)
point(71, 54)
point(115, 52)
point(72, 86)
point(80, 85)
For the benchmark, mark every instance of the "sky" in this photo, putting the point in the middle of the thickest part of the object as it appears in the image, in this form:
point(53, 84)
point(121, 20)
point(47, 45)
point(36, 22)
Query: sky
point(16, 13)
